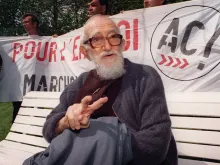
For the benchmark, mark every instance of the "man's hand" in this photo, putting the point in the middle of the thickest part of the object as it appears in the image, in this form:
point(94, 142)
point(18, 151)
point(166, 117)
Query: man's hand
point(77, 115)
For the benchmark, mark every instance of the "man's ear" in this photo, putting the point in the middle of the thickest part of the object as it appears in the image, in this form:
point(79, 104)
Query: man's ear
point(84, 52)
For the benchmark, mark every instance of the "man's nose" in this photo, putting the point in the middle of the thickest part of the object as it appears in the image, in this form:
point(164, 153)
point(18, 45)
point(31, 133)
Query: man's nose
point(107, 46)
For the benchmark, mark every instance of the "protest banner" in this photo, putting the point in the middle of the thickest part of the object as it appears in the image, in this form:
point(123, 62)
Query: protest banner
point(181, 41)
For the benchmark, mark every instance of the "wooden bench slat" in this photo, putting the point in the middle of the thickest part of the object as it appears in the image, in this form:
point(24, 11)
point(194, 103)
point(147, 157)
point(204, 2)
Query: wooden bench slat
point(196, 136)
point(195, 123)
point(34, 112)
point(42, 95)
point(189, 97)
point(11, 156)
point(27, 129)
point(22, 147)
point(30, 120)
point(197, 150)
point(196, 109)
point(194, 162)
point(27, 139)
point(40, 103)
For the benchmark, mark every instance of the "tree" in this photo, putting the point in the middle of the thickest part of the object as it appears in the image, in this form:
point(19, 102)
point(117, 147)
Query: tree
point(8, 11)
point(56, 16)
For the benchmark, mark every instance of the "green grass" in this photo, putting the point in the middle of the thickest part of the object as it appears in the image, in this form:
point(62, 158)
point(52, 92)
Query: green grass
point(5, 119)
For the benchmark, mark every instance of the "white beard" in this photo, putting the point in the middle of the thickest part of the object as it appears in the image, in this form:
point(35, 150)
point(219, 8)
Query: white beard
point(115, 71)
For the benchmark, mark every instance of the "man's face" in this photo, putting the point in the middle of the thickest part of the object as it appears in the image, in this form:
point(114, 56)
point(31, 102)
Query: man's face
point(152, 3)
point(29, 26)
point(107, 55)
point(94, 7)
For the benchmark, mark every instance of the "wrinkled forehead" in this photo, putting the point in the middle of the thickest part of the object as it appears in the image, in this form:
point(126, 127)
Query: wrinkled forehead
point(101, 26)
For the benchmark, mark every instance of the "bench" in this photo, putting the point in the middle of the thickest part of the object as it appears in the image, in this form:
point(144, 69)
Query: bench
point(195, 123)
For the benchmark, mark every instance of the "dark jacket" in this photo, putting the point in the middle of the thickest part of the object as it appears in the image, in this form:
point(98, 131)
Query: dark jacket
point(141, 105)
point(1, 62)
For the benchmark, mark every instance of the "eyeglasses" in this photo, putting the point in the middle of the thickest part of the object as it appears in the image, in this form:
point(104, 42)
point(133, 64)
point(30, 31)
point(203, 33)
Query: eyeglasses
point(97, 42)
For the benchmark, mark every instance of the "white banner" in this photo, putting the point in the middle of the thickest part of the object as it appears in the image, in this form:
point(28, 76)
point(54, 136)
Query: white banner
point(181, 41)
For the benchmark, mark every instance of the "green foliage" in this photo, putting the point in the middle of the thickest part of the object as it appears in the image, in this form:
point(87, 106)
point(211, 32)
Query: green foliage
point(56, 16)
point(6, 118)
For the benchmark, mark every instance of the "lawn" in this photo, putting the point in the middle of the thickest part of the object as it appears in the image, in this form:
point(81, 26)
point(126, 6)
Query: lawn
point(5, 119)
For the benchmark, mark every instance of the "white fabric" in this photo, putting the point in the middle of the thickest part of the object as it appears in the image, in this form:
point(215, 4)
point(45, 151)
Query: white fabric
point(49, 64)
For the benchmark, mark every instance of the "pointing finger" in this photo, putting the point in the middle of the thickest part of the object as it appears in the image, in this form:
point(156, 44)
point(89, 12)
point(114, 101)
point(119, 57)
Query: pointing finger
point(95, 106)
point(85, 101)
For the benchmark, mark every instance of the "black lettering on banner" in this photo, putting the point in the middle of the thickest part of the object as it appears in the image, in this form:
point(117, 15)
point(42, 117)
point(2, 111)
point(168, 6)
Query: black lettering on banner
point(60, 78)
point(209, 45)
point(29, 81)
point(53, 87)
point(193, 30)
point(71, 79)
point(66, 81)
point(173, 27)
point(162, 41)
point(186, 36)
point(42, 83)
point(55, 84)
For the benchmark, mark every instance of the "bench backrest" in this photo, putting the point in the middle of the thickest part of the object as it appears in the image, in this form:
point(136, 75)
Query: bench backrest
point(26, 131)
point(195, 124)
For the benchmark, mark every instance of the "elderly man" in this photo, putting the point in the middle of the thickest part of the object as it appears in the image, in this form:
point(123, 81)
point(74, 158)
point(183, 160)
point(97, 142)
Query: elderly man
point(98, 7)
point(152, 3)
point(116, 94)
